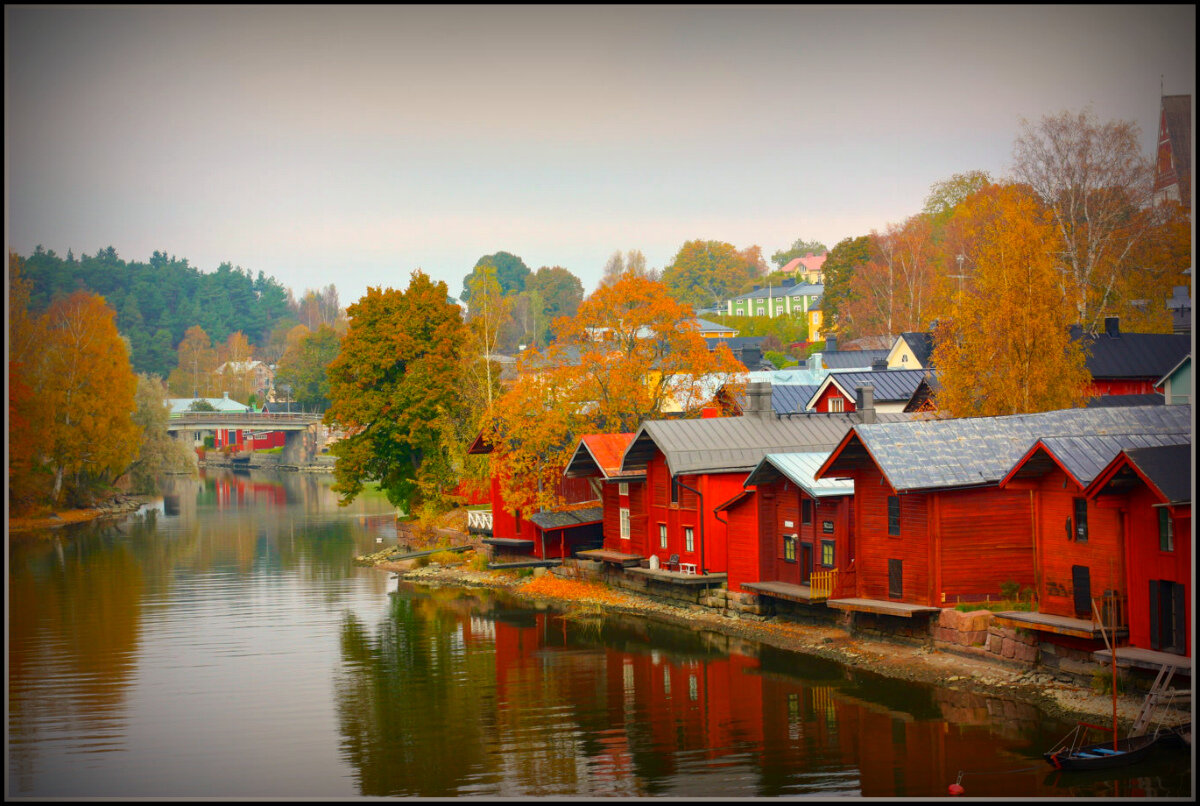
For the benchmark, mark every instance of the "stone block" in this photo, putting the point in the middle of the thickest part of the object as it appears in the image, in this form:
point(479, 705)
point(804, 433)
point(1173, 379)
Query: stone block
point(1008, 648)
point(949, 618)
point(994, 643)
point(975, 637)
point(977, 620)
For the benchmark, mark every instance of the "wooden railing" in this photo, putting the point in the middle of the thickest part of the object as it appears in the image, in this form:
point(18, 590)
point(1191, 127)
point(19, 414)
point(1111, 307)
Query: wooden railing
point(479, 520)
point(821, 584)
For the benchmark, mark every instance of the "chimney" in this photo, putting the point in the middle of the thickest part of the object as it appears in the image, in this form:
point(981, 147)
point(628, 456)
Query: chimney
point(831, 344)
point(864, 402)
point(1112, 327)
point(758, 400)
point(878, 364)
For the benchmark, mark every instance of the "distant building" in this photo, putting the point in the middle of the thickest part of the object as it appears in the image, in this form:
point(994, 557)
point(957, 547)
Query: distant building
point(1173, 167)
point(808, 269)
point(788, 299)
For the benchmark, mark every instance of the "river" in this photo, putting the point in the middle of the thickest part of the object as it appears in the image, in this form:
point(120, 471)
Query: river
point(221, 643)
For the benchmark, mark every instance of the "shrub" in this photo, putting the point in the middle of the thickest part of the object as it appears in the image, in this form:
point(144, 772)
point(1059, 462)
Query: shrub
point(447, 558)
point(1009, 591)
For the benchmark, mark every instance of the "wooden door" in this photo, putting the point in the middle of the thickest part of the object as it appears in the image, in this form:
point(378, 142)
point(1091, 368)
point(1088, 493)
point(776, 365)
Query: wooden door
point(1081, 582)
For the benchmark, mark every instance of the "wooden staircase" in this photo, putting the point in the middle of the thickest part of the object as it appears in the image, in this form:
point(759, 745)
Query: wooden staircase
point(1159, 701)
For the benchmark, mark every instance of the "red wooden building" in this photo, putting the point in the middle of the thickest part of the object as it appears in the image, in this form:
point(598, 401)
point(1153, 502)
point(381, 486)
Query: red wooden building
point(597, 457)
point(933, 525)
point(803, 526)
point(1130, 363)
point(1151, 490)
point(574, 526)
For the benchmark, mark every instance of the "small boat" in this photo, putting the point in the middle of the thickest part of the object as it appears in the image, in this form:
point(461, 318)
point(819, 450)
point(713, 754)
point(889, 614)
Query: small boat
point(1103, 755)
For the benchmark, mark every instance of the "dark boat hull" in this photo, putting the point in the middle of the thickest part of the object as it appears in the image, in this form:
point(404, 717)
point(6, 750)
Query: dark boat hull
point(1102, 756)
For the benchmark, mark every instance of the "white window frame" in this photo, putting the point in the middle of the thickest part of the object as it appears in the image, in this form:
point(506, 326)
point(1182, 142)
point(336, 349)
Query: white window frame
point(624, 523)
point(836, 404)
point(623, 488)
point(662, 535)
point(689, 538)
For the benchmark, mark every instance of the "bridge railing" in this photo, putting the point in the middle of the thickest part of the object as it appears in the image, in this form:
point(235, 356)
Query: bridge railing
point(245, 417)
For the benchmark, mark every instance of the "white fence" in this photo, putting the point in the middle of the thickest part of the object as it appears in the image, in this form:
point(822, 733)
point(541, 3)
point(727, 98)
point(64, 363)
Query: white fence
point(479, 520)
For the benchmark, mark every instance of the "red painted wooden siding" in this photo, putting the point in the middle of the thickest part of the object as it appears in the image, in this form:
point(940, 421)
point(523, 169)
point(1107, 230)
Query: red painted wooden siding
point(742, 543)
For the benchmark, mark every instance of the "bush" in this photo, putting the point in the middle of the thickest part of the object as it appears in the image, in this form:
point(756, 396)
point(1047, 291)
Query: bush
point(447, 558)
point(1009, 591)
point(1102, 681)
point(478, 561)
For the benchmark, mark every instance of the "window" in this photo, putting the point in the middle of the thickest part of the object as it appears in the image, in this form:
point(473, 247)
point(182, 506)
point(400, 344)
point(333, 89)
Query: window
point(827, 553)
point(895, 579)
point(1081, 529)
point(836, 404)
point(624, 523)
point(674, 490)
point(1166, 530)
point(662, 535)
point(623, 488)
point(789, 548)
point(806, 511)
point(894, 515)
point(689, 540)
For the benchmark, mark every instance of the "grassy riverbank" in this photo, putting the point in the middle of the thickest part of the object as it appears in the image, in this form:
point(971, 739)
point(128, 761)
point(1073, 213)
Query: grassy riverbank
point(37, 521)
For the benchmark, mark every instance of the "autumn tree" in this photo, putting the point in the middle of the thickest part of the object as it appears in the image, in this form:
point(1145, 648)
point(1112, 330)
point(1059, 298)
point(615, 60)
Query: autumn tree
point(511, 273)
point(891, 293)
point(234, 373)
point(392, 388)
point(159, 452)
point(1098, 188)
point(945, 196)
point(28, 479)
point(704, 273)
point(303, 368)
point(631, 262)
point(193, 373)
point(799, 248)
point(842, 262)
point(629, 354)
point(87, 386)
point(1008, 349)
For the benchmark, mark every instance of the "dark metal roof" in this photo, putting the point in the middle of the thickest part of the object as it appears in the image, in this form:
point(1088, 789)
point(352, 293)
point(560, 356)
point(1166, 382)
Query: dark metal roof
point(932, 454)
point(791, 398)
point(574, 517)
point(1148, 399)
point(891, 385)
point(921, 345)
point(1168, 467)
point(1134, 355)
point(853, 359)
point(733, 444)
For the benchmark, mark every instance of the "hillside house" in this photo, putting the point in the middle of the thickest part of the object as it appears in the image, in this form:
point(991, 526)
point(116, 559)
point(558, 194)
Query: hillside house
point(892, 389)
point(786, 299)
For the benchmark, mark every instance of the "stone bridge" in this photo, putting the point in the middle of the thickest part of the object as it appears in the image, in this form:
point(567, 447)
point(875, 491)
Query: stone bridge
point(300, 439)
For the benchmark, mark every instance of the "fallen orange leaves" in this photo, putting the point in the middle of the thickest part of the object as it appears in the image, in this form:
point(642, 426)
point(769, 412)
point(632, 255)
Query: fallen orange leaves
point(553, 587)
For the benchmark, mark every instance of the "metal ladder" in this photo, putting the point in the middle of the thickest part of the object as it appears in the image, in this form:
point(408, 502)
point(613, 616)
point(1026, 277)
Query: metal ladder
point(1160, 697)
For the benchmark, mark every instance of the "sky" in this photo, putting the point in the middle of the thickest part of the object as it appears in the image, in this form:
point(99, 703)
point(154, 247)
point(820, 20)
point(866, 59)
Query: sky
point(354, 145)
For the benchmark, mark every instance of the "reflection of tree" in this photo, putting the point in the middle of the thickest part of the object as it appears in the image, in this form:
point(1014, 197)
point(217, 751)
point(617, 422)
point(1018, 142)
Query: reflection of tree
point(413, 706)
point(74, 610)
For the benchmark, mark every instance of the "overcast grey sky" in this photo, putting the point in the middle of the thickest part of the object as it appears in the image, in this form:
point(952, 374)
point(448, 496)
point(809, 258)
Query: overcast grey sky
point(351, 145)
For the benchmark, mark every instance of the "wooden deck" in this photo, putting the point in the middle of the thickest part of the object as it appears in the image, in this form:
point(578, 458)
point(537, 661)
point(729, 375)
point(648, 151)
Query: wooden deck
point(678, 577)
point(604, 555)
point(1130, 656)
point(515, 544)
point(882, 607)
point(782, 590)
point(1059, 625)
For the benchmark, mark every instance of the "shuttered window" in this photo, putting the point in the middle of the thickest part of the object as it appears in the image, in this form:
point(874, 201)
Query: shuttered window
point(1166, 530)
point(893, 504)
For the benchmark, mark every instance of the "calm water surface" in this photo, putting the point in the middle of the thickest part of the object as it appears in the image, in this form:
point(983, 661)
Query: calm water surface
point(223, 644)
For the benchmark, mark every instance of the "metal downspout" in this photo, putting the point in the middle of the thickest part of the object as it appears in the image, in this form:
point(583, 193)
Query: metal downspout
point(700, 512)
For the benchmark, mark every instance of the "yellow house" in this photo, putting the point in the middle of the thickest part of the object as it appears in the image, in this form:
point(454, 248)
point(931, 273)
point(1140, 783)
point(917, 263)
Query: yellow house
point(815, 321)
point(911, 351)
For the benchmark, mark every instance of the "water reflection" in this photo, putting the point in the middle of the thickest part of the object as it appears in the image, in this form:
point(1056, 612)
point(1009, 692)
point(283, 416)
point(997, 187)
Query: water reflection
point(462, 693)
point(222, 643)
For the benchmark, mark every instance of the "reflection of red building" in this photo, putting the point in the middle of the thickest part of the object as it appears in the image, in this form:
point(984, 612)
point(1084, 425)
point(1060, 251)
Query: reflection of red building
point(233, 491)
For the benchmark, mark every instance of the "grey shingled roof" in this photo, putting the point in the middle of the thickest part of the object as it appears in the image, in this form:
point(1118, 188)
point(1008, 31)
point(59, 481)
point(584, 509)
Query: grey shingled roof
point(1085, 456)
point(574, 517)
point(933, 454)
point(734, 444)
point(1148, 399)
point(891, 385)
point(1169, 468)
point(853, 359)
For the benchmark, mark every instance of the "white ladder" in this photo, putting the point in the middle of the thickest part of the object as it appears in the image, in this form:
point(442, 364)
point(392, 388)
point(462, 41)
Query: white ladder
point(1161, 696)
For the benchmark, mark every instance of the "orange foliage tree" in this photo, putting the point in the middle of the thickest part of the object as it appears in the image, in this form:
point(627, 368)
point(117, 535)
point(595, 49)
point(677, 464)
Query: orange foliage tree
point(894, 291)
point(28, 479)
point(193, 375)
point(86, 384)
point(1008, 350)
point(630, 353)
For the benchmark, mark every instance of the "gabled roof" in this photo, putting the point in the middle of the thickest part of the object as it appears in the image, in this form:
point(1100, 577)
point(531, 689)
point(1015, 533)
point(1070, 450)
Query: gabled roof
point(891, 385)
point(732, 444)
point(707, 326)
point(792, 397)
point(920, 344)
point(1134, 355)
point(780, 291)
point(853, 359)
point(799, 468)
point(182, 405)
point(1083, 458)
point(1185, 361)
point(599, 454)
point(1166, 469)
point(980, 451)
point(573, 517)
